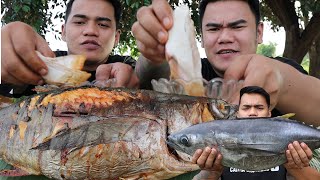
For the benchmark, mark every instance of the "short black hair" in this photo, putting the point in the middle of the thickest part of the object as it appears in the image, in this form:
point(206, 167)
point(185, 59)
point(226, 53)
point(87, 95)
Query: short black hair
point(116, 6)
point(253, 4)
point(255, 90)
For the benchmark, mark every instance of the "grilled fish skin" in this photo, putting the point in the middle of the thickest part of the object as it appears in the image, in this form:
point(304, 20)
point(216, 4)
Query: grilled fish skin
point(101, 133)
point(249, 144)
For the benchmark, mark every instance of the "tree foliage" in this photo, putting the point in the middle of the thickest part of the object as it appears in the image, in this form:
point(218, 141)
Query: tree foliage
point(39, 14)
point(267, 49)
point(35, 13)
point(301, 21)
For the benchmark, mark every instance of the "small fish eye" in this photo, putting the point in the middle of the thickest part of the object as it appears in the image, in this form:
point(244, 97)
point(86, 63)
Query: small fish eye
point(185, 141)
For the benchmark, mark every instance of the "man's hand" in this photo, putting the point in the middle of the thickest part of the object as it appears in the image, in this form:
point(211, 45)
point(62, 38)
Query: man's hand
point(19, 62)
point(298, 155)
point(259, 71)
point(151, 30)
point(122, 73)
point(209, 160)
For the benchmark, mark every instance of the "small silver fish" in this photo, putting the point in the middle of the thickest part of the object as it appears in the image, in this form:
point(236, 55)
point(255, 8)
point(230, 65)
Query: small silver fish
point(249, 144)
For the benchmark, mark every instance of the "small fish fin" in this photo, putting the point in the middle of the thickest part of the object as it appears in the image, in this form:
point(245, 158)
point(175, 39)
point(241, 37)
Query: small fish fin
point(287, 116)
point(102, 131)
point(266, 149)
point(45, 88)
point(14, 173)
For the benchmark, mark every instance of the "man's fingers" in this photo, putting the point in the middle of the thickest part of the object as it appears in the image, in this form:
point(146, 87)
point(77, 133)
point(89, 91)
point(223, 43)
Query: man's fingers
point(218, 161)
point(290, 164)
point(164, 12)
point(307, 150)
point(143, 36)
point(122, 79)
point(134, 81)
point(20, 72)
point(152, 25)
point(303, 157)
point(211, 159)
point(103, 72)
point(294, 154)
point(14, 70)
point(25, 48)
point(236, 71)
point(43, 47)
point(7, 78)
point(196, 155)
point(203, 158)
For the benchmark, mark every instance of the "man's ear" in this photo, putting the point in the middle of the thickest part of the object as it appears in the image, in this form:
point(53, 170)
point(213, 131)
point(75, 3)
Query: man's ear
point(63, 32)
point(117, 37)
point(202, 42)
point(260, 33)
point(269, 115)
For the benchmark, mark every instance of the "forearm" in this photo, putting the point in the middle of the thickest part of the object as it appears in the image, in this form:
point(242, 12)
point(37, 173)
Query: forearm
point(146, 71)
point(300, 95)
point(207, 175)
point(306, 173)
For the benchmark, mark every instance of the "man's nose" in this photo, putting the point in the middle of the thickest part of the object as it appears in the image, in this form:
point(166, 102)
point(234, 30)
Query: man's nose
point(225, 36)
point(91, 29)
point(253, 112)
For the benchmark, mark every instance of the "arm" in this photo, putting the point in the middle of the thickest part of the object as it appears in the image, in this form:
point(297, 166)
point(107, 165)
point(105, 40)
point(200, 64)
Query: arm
point(146, 71)
point(20, 65)
point(306, 173)
point(151, 33)
point(296, 86)
point(284, 83)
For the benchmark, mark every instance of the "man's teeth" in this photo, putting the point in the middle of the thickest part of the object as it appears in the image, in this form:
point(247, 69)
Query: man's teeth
point(228, 51)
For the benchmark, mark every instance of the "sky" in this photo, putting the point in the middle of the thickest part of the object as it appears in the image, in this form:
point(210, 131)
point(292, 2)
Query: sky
point(268, 36)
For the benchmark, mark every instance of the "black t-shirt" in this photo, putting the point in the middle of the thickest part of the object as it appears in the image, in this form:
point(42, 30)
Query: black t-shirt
point(276, 173)
point(208, 73)
point(27, 91)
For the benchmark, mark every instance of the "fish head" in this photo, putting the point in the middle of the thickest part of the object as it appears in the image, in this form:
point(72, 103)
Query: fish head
point(185, 143)
point(222, 109)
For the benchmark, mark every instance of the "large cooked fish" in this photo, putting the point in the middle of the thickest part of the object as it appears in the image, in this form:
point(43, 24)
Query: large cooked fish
point(96, 133)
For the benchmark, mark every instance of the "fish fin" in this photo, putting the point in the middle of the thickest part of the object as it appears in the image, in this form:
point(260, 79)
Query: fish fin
point(265, 149)
point(287, 116)
point(13, 173)
point(103, 131)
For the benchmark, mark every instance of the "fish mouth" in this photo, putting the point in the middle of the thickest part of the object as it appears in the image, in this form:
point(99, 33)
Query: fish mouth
point(178, 155)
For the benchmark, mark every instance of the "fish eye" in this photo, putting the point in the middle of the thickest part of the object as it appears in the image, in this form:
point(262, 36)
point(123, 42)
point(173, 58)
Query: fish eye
point(185, 141)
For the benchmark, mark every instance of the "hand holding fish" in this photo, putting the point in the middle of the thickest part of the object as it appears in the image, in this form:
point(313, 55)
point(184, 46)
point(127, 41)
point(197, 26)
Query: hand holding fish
point(122, 73)
point(20, 63)
point(210, 162)
point(298, 155)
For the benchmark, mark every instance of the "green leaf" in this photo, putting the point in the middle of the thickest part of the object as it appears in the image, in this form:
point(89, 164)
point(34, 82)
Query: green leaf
point(16, 8)
point(25, 8)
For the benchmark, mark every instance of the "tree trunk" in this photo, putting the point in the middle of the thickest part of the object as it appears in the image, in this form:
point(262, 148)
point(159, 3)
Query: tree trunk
point(298, 41)
point(314, 55)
